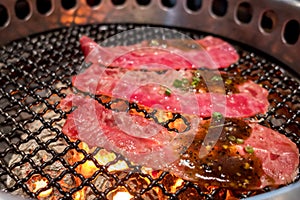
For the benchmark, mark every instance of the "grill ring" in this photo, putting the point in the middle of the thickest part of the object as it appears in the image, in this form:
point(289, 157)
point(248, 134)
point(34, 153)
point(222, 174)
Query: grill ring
point(284, 21)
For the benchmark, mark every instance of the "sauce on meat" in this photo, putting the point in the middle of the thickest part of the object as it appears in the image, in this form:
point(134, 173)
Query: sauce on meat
point(220, 163)
point(204, 81)
point(219, 152)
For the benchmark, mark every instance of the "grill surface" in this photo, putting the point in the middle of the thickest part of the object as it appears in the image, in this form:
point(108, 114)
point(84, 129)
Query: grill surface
point(35, 76)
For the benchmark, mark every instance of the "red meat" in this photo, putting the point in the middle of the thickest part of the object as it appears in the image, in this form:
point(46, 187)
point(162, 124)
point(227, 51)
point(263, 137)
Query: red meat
point(149, 89)
point(209, 153)
point(209, 52)
point(139, 139)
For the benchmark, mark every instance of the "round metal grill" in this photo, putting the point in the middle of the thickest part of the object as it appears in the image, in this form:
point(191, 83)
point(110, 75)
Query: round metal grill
point(35, 76)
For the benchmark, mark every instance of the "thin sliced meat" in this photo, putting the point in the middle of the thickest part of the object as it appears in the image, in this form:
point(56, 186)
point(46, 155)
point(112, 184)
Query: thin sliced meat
point(148, 88)
point(280, 156)
point(243, 104)
point(245, 156)
point(220, 51)
point(139, 139)
point(211, 152)
point(209, 52)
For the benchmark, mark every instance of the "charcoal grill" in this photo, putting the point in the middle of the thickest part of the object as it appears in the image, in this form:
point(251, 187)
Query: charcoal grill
point(40, 52)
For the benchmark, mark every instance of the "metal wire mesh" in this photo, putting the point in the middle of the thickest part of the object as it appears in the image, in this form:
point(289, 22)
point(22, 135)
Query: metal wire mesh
point(35, 76)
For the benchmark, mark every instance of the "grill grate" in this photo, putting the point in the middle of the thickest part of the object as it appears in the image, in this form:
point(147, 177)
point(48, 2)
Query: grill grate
point(35, 76)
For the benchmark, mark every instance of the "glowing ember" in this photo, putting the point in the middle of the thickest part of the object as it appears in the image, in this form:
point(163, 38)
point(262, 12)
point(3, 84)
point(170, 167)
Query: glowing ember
point(122, 196)
point(87, 169)
point(103, 157)
point(120, 193)
point(37, 182)
point(177, 184)
point(120, 165)
point(79, 195)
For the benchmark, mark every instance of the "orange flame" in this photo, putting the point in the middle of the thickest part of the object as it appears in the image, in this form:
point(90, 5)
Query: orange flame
point(79, 195)
point(37, 182)
point(119, 193)
point(122, 196)
point(88, 168)
point(177, 184)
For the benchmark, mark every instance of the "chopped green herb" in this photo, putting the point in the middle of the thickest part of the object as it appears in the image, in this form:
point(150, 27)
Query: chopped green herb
point(217, 78)
point(217, 116)
point(168, 92)
point(196, 79)
point(232, 138)
point(249, 149)
point(177, 83)
point(182, 84)
point(239, 141)
point(194, 84)
point(185, 82)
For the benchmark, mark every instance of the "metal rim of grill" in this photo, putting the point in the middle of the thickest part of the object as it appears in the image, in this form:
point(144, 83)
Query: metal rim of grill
point(32, 67)
point(270, 26)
